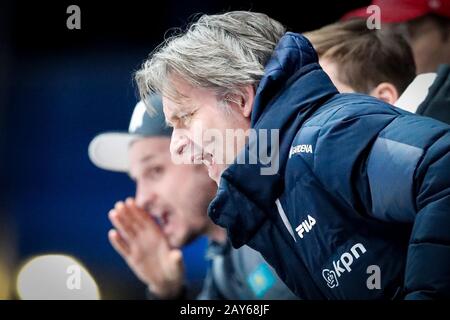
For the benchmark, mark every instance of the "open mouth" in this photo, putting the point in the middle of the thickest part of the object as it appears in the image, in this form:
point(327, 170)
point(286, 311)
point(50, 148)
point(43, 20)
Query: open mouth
point(205, 158)
point(163, 218)
point(209, 161)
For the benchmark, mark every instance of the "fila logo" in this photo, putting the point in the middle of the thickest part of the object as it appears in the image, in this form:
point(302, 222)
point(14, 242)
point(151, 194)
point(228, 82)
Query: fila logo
point(301, 148)
point(342, 265)
point(305, 226)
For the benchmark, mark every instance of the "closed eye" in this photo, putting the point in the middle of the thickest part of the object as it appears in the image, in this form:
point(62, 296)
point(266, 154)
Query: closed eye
point(186, 117)
point(154, 173)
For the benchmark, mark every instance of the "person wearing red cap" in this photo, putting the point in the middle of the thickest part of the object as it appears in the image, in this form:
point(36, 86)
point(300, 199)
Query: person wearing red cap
point(425, 23)
point(426, 26)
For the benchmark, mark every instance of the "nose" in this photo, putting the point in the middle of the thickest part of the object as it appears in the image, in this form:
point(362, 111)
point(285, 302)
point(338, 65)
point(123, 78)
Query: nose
point(145, 196)
point(180, 147)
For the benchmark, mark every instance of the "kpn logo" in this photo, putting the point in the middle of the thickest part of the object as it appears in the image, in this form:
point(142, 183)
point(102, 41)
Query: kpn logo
point(342, 265)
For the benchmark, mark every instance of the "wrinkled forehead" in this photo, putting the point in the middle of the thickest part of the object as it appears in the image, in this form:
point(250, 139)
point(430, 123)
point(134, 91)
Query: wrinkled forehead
point(171, 105)
point(175, 106)
point(177, 90)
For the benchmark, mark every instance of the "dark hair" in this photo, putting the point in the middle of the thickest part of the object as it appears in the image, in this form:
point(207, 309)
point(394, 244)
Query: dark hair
point(365, 57)
point(443, 24)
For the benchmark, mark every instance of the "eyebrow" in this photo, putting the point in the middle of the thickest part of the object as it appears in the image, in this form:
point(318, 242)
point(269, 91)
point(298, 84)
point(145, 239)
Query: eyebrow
point(146, 158)
point(178, 110)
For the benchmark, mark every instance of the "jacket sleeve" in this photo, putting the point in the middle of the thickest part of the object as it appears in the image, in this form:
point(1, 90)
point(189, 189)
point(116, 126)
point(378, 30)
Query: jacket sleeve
point(408, 170)
point(428, 264)
point(397, 170)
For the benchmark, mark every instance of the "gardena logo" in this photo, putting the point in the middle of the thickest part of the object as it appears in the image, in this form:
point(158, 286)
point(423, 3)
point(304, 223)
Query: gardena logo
point(301, 148)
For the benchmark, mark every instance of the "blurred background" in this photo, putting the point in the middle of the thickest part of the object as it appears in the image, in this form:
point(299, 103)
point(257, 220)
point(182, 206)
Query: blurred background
point(58, 89)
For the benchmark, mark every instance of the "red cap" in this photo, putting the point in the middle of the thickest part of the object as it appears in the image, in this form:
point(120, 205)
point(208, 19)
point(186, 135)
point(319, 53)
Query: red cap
point(403, 10)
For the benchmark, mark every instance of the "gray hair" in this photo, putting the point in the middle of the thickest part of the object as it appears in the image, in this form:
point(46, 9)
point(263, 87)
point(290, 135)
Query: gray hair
point(223, 52)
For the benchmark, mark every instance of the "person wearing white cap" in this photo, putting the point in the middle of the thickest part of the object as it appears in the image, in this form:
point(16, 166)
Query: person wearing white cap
point(169, 211)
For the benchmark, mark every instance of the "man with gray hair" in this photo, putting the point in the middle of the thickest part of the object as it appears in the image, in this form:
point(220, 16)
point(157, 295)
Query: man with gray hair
point(360, 205)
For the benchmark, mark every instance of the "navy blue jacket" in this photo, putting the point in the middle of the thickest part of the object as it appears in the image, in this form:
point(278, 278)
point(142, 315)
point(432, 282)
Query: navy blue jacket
point(360, 206)
point(437, 102)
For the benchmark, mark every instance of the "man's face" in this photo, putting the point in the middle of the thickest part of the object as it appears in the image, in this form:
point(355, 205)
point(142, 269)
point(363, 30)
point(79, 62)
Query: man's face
point(177, 195)
point(201, 127)
point(428, 47)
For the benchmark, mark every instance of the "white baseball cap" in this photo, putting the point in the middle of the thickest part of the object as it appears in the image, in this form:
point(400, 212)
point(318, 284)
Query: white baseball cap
point(109, 150)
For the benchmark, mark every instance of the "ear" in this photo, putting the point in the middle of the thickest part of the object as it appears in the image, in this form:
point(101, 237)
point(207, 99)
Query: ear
point(245, 102)
point(385, 91)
